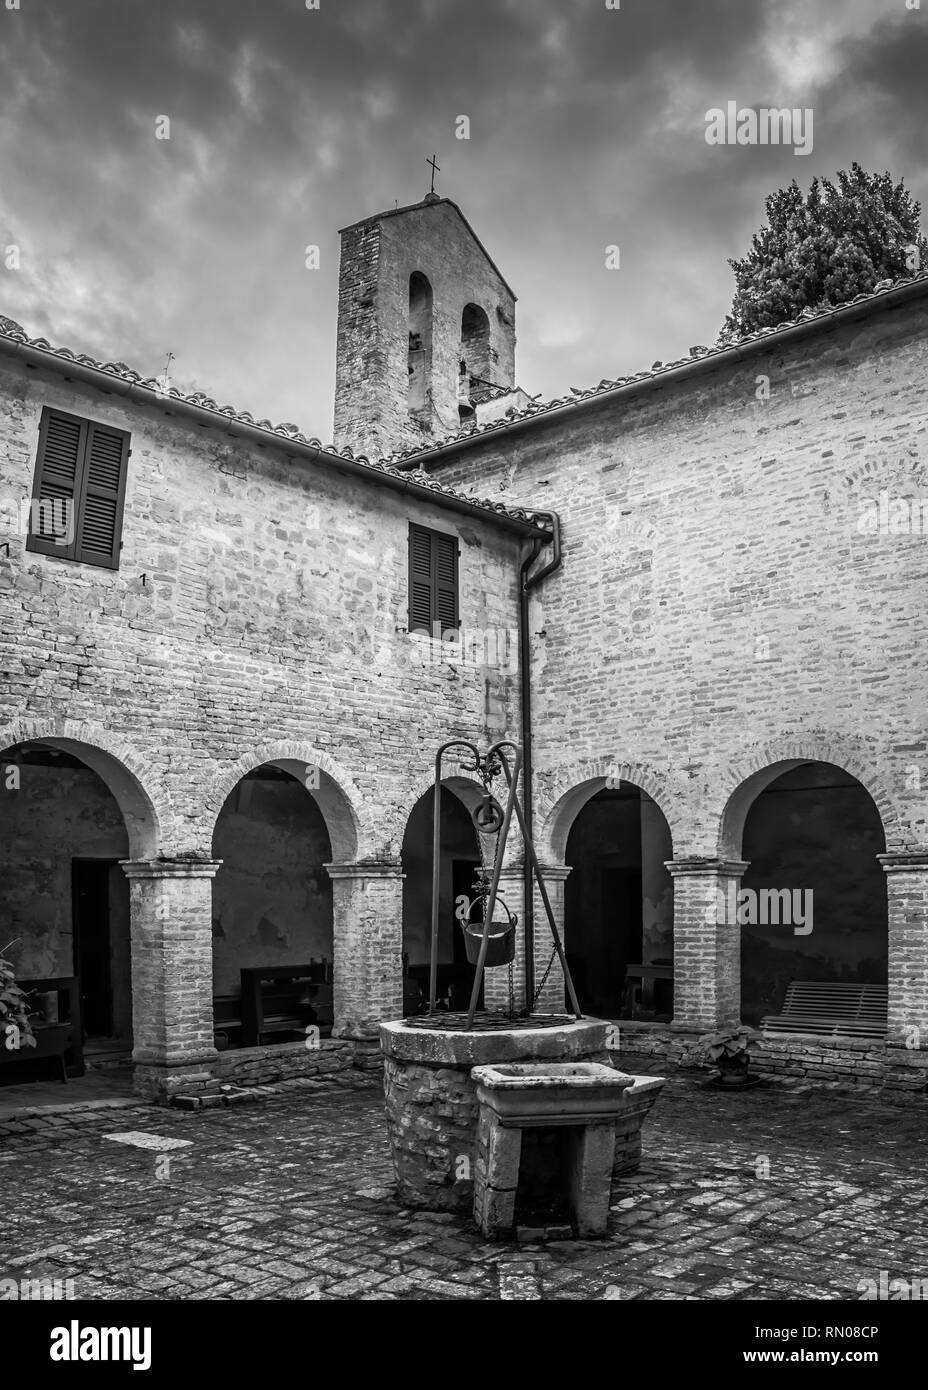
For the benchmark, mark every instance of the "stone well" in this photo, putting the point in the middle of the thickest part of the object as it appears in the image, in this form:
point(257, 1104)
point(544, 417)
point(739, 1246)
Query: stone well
point(431, 1097)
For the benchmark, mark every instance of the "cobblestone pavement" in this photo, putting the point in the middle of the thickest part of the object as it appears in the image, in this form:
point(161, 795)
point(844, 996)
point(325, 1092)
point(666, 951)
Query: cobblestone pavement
point(291, 1199)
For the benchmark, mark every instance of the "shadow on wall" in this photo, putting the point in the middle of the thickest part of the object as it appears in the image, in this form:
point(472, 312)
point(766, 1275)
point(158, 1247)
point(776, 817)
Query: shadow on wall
point(64, 900)
point(619, 903)
point(815, 829)
point(272, 898)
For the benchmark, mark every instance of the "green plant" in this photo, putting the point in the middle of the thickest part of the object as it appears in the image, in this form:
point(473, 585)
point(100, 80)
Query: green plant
point(15, 1028)
point(728, 1049)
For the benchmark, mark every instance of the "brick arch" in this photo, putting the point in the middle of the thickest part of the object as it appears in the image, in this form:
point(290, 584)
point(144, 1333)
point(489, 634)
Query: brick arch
point(749, 775)
point(468, 789)
point(341, 804)
point(560, 801)
point(116, 762)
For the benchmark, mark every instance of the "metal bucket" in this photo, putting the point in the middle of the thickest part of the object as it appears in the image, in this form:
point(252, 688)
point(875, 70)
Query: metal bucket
point(501, 939)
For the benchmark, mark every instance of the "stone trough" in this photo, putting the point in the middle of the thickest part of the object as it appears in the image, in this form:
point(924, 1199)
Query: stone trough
point(511, 1114)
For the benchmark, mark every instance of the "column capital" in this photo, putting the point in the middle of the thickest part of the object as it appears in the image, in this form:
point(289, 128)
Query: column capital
point(557, 872)
point(730, 868)
point(911, 863)
point(170, 868)
point(379, 868)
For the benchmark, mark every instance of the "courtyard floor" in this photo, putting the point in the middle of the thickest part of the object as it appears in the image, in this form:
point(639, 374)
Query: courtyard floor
point(780, 1193)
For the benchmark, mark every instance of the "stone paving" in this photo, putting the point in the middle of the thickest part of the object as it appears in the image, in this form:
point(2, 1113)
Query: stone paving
point(780, 1193)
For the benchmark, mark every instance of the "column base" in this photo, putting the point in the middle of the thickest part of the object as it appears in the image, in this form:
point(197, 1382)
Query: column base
point(160, 1082)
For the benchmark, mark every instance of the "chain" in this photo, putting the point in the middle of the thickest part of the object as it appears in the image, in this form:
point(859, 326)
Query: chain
point(544, 979)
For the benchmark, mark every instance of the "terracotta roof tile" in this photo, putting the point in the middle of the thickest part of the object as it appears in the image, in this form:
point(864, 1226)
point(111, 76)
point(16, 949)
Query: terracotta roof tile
point(724, 344)
point(14, 332)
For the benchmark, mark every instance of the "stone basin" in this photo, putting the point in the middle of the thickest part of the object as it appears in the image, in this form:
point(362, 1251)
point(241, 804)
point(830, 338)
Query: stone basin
point(432, 1105)
point(524, 1094)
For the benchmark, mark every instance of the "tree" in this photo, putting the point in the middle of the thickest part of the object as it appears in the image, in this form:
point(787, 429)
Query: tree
point(823, 249)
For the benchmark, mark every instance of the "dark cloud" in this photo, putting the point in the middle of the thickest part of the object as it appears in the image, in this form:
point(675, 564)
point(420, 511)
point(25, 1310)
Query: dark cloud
point(587, 129)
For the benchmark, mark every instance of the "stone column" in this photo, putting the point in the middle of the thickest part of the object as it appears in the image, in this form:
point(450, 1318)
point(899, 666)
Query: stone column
point(707, 943)
point(907, 893)
point(171, 915)
point(367, 928)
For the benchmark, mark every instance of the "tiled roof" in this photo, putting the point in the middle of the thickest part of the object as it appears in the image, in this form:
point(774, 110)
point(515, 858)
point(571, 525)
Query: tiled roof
point(697, 355)
point(13, 337)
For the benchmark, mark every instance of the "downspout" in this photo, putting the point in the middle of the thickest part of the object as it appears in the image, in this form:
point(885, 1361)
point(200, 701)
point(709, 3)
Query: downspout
point(526, 584)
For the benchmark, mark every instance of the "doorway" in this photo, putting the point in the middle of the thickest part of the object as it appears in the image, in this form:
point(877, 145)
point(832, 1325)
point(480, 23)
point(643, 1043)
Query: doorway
point(99, 916)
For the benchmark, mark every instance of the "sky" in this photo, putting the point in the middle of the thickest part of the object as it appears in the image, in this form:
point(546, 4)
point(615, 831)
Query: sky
point(587, 130)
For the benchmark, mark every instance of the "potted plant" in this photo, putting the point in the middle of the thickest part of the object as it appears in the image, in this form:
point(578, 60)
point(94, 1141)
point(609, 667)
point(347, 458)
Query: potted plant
point(15, 1028)
point(730, 1051)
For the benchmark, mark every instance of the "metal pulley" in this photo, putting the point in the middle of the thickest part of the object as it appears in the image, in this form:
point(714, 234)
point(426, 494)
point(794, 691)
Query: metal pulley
point(488, 815)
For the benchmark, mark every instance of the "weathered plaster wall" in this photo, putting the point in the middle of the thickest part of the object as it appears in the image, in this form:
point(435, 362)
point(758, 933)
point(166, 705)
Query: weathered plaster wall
point(272, 898)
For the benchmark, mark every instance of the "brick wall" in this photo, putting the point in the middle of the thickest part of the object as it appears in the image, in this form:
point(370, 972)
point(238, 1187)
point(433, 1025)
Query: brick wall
point(259, 610)
point(718, 609)
point(723, 611)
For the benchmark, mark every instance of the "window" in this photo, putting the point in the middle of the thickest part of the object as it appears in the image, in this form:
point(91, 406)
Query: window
point(433, 581)
point(475, 342)
point(80, 484)
point(420, 346)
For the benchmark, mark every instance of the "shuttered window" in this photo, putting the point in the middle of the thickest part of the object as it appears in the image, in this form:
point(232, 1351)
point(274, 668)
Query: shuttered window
point(80, 484)
point(433, 580)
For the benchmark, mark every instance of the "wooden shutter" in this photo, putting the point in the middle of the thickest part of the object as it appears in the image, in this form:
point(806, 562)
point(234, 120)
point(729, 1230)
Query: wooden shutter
point(433, 580)
point(99, 522)
point(62, 440)
point(446, 580)
point(420, 580)
point(82, 466)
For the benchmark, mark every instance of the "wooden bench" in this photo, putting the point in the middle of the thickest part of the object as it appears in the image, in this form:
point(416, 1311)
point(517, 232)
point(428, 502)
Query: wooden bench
point(227, 1021)
point(831, 1010)
point(61, 1040)
point(639, 998)
point(281, 1001)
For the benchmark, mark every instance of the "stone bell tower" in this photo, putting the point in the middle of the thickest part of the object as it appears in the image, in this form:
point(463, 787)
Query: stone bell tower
point(426, 331)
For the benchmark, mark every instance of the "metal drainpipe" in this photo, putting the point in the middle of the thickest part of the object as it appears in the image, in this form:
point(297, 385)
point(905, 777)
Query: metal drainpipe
point(526, 584)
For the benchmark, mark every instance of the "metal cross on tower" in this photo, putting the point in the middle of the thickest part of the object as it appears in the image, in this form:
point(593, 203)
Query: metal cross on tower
point(436, 168)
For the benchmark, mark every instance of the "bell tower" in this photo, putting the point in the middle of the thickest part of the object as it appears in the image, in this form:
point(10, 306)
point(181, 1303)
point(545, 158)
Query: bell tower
point(426, 330)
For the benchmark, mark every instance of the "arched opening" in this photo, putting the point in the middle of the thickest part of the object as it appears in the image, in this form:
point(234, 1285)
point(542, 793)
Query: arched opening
point(475, 359)
point(460, 860)
point(618, 906)
point(812, 905)
point(272, 909)
point(71, 813)
point(420, 348)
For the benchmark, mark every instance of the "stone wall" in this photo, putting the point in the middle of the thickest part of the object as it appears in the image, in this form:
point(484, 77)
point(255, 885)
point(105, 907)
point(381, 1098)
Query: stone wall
point(857, 1062)
point(717, 606)
point(258, 604)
